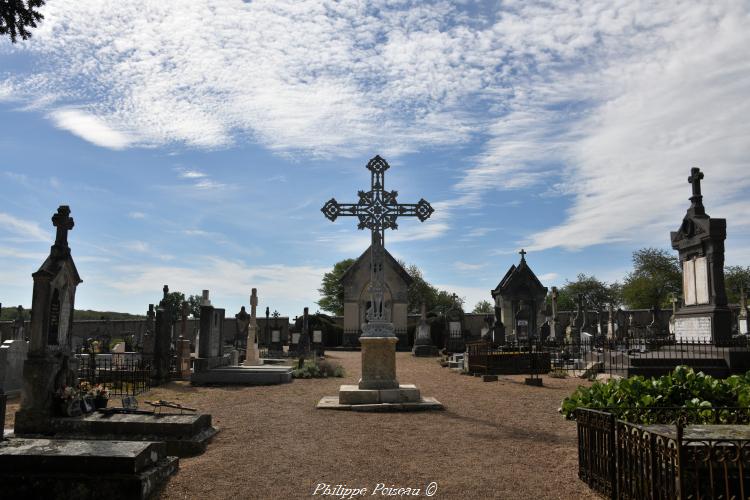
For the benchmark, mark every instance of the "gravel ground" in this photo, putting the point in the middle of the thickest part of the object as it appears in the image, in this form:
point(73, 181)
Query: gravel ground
point(500, 440)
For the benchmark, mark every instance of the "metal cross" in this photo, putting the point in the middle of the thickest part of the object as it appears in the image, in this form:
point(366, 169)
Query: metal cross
point(523, 254)
point(377, 211)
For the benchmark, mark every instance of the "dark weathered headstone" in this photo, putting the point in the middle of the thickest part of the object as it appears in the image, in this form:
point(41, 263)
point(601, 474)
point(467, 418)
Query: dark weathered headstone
point(50, 364)
point(700, 244)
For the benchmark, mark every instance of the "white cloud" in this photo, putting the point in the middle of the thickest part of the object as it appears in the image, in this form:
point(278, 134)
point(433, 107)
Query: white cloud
point(137, 246)
point(24, 229)
point(137, 215)
point(191, 174)
point(465, 266)
point(548, 278)
point(90, 128)
point(227, 280)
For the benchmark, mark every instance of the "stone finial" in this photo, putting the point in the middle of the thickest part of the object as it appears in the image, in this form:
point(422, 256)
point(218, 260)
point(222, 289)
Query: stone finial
point(523, 254)
point(64, 223)
point(204, 298)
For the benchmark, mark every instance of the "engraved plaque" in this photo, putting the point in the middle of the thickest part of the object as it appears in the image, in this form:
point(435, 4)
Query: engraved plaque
point(317, 336)
point(743, 327)
point(455, 329)
point(295, 338)
point(701, 281)
point(688, 282)
point(276, 336)
point(692, 329)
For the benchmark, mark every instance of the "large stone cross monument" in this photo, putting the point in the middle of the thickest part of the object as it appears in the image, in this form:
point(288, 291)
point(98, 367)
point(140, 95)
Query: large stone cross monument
point(378, 210)
point(252, 356)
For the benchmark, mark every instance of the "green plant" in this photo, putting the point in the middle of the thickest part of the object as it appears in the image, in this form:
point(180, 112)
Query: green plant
point(558, 374)
point(318, 369)
point(628, 397)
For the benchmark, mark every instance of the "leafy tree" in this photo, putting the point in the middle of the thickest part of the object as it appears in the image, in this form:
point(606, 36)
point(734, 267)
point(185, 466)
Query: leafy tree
point(172, 303)
point(445, 301)
point(331, 290)
point(655, 279)
point(736, 277)
point(18, 15)
point(596, 294)
point(419, 292)
point(483, 307)
point(194, 305)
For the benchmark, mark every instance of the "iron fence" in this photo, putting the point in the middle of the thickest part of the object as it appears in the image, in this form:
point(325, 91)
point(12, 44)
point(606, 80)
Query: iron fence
point(123, 374)
point(648, 356)
point(666, 460)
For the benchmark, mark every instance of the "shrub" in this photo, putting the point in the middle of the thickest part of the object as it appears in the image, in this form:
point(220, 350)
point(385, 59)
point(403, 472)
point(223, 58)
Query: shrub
point(681, 388)
point(558, 374)
point(318, 369)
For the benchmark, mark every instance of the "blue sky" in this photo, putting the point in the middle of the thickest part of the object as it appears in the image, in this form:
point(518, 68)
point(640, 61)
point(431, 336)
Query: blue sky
point(196, 146)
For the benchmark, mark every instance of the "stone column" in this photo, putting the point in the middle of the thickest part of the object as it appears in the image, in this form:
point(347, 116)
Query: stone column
point(183, 357)
point(162, 338)
point(252, 356)
point(553, 324)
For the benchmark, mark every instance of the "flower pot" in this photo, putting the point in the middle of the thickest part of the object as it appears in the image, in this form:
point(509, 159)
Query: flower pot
point(100, 402)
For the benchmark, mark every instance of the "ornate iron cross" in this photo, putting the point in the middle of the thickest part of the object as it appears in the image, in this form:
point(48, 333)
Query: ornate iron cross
point(377, 211)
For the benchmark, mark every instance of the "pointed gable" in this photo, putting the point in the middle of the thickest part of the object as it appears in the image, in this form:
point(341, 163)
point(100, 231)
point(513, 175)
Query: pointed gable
point(518, 277)
point(364, 260)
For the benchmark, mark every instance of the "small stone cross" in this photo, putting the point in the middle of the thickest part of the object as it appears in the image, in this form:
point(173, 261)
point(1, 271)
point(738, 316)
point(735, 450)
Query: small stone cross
point(695, 179)
point(523, 254)
point(64, 223)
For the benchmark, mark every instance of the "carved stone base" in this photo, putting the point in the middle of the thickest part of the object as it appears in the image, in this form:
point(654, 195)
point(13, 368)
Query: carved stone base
point(378, 363)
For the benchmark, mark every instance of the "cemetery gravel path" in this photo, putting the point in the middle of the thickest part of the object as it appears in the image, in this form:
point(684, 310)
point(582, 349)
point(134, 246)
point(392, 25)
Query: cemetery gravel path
point(501, 440)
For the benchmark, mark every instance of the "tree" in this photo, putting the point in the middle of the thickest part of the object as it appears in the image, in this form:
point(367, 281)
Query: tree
point(17, 15)
point(331, 290)
point(483, 307)
point(172, 303)
point(596, 294)
point(194, 305)
point(655, 279)
point(735, 278)
point(419, 292)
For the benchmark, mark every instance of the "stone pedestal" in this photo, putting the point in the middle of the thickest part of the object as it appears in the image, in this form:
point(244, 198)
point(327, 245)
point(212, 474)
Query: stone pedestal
point(378, 363)
point(252, 354)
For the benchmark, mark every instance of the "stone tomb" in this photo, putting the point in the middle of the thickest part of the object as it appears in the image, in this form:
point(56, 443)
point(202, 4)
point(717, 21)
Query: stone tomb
point(217, 371)
point(700, 243)
point(50, 366)
point(12, 357)
point(33, 461)
point(71, 469)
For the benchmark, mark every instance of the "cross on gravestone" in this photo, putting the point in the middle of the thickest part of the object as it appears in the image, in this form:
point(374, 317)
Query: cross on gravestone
point(377, 211)
point(695, 179)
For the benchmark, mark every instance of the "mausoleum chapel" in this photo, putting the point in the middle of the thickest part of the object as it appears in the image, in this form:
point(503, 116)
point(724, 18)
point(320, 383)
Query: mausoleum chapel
point(290, 250)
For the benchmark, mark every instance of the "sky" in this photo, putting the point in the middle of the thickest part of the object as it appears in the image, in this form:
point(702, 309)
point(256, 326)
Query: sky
point(196, 146)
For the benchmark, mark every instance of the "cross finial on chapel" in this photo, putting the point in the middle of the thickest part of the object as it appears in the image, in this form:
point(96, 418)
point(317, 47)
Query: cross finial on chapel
point(64, 223)
point(523, 254)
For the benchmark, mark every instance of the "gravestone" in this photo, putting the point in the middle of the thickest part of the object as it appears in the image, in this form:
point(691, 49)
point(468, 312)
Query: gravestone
point(574, 329)
point(303, 346)
point(744, 315)
point(554, 324)
point(148, 336)
point(211, 344)
point(12, 357)
point(18, 325)
point(317, 342)
point(423, 342)
point(162, 341)
point(700, 244)
point(50, 364)
point(183, 357)
point(378, 210)
point(252, 358)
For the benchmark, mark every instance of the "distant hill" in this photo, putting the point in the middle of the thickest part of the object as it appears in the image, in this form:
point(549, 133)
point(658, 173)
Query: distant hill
point(9, 313)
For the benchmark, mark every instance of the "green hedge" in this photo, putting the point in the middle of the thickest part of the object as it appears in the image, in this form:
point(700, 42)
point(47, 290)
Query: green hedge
point(681, 388)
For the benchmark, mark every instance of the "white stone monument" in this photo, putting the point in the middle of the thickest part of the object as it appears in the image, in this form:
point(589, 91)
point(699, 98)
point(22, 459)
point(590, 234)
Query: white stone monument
point(252, 358)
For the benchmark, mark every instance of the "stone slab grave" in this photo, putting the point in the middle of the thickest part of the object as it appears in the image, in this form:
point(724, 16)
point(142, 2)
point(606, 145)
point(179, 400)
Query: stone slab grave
point(71, 469)
point(50, 367)
point(246, 374)
point(378, 389)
